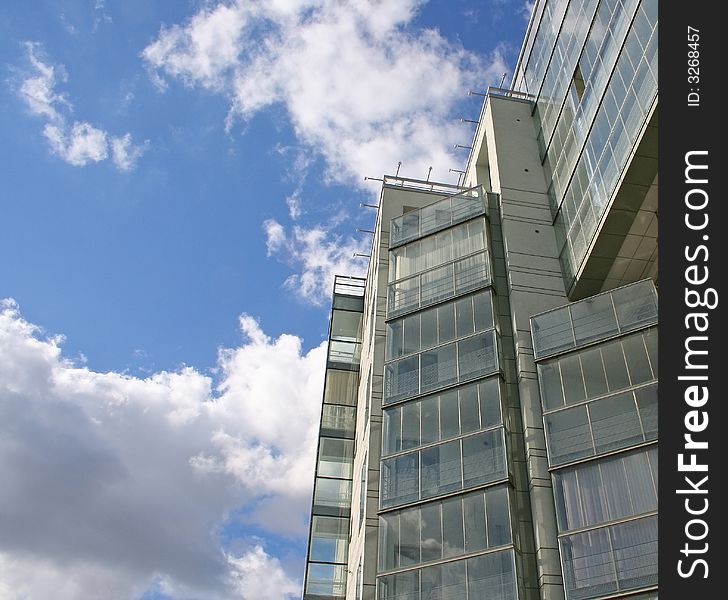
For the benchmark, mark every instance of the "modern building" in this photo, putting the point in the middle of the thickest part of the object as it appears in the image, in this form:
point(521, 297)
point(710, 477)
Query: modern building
point(489, 424)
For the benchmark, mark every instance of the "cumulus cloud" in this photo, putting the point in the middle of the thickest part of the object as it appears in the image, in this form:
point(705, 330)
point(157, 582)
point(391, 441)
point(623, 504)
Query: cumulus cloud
point(362, 88)
point(76, 142)
point(359, 87)
point(121, 484)
point(319, 254)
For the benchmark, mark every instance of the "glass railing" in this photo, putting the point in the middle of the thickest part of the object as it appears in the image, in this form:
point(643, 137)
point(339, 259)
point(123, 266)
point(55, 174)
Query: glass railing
point(436, 216)
point(597, 318)
point(435, 285)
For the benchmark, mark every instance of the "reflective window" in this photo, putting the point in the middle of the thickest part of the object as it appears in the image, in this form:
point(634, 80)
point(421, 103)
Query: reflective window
point(470, 357)
point(600, 426)
point(599, 370)
point(459, 464)
point(335, 458)
point(610, 559)
point(435, 216)
point(490, 576)
point(606, 490)
point(329, 539)
point(444, 529)
point(455, 412)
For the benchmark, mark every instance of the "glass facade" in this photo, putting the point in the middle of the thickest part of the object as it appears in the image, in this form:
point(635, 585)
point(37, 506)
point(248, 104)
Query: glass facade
point(476, 418)
point(444, 497)
point(328, 545)
point(593, 69)
point(437, 267)
point(599, 400)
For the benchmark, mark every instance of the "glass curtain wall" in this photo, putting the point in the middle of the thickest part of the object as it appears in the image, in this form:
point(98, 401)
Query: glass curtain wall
point(597, 370)
point(592, 65)
point(445, 526)
point(326, 571)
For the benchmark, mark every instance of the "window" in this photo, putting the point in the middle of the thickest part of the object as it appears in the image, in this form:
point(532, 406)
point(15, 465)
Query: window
point(459, 464)
point(444, 529)
point(456, 412)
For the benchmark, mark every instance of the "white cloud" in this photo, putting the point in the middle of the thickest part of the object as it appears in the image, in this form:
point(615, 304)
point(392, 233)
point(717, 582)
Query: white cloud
point(319, 254)
point(118, 483)
point(78, 143)
point(125, 154)
point(358, 86)
point(361, 86)
point(79, 146)
point(527, 9)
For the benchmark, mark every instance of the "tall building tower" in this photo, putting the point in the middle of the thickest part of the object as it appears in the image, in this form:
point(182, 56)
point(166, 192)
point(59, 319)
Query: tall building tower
point(489, 424)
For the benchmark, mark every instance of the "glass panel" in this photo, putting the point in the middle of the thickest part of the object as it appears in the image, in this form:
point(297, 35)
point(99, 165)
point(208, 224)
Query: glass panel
point(651, 343)
point(568, 435)
point(635, 553)
point(436, 285)
point(431, 539)
point(615, 423)
point(429, 328)
point(347, 353)
point(552, 332)
point(452, 527)
point(335, 458)
point(388, 541)
point(483, 458)
point(469, 411)
point(403, 295)
point(475, 530)
point(491, 576)
point(431, 582)
point(411, 334)
point(438, 367)
point(329, 539)
point(392, 431)
point(635, 352)
point(430, 408)
point(326, 580)
point(470, 273)
point(593, 318)
point(594, 375)
point(441, 470)
point(489, 393)
point(591, 490)
point(476, 355)
point(615, 366)
point(588, 568)
point(453, 581)
point(446, 322)
point(409, 537)
point(338, 421)
point(400, 479)
point(331, 493)
point(410, 425)
point(573, 380)
point(346, 325)
point(449, 419)
point(636, 305)
point(498, 515)
point(341, 387)
point(465, 321)
point(483, 311)
point(639, 479)
point(568, 503)
point(647, 404)
point(550, 377)
point(401, 378)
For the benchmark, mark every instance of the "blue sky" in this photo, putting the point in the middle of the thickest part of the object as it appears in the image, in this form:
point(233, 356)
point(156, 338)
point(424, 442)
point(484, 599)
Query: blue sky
point(181, 182)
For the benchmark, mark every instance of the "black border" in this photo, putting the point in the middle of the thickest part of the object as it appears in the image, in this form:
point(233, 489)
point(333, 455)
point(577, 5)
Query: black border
point(684, 128)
